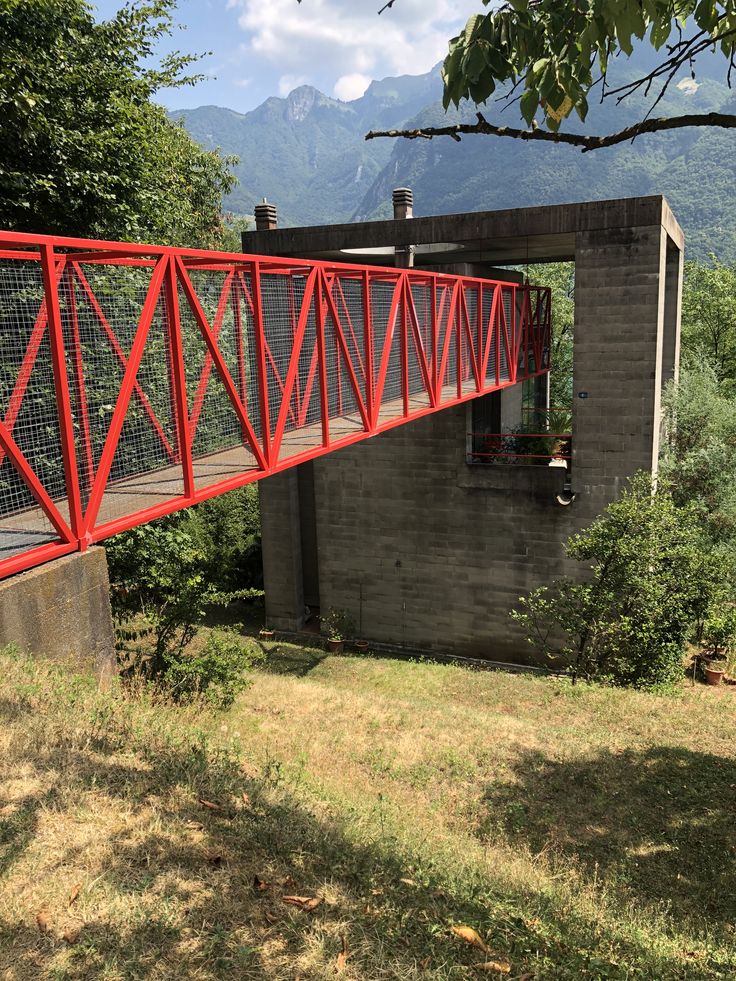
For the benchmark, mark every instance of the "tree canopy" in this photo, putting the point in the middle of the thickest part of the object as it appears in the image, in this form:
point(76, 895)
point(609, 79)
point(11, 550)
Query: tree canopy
point(709, 319)
point(83, 149)
point(552, 57)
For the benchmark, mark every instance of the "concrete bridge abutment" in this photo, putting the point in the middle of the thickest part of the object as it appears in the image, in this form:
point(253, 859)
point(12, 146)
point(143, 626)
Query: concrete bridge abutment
point(61, 611)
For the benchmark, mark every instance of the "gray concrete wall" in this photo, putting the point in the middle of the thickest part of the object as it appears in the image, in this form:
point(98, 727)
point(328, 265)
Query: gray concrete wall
point(61, 611)
point(441, 550)
point(282, 553)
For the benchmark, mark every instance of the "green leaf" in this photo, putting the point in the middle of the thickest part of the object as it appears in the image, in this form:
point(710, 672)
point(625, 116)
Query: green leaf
point(529, 105)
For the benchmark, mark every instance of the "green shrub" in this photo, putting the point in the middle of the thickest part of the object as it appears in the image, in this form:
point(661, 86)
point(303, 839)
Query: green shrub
point(227, 529)
point(218, 672)
point(652, 576)
point(340, 625)
point(160, 594)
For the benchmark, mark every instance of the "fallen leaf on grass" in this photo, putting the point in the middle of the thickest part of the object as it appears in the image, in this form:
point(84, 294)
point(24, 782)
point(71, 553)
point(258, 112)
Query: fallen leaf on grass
point(342, 957)
point(260, 885)
point(303, 902)
point(210, 805)
point(270, 918)
point(246, 799)
point(470, 936)
point(71, 936)
point(376, 892)
point(494, 967)
point(75, 893)
point(42, 921)
point(408, 882)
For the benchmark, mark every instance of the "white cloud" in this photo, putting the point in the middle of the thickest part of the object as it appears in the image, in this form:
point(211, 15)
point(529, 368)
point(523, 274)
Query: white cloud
point(349, 87)
point(688, 86)
point(287, 83)
point(331, 41)
point(242, 83)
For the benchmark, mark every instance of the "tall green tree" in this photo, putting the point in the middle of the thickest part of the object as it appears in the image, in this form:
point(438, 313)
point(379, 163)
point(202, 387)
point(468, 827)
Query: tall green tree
point(709, 319)
point(554, 56)
point(83, 149)
point(699, 451)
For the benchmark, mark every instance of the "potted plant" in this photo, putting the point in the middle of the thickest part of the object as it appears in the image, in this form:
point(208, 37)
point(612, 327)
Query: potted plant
point(719, 633)
point(339, 627)
point(714, 672)
point(266, 632)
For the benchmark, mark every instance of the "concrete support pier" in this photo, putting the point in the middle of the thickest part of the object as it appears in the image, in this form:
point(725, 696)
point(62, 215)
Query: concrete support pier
point(61, 610)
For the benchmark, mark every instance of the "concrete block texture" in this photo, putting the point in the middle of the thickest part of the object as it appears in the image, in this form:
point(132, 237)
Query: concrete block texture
point(282, 550)
point(433, 553)
point(61, 610)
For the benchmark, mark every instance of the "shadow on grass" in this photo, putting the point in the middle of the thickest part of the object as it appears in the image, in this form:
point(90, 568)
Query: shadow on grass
point(191, 870)
point(656, 823)
point(286, 659)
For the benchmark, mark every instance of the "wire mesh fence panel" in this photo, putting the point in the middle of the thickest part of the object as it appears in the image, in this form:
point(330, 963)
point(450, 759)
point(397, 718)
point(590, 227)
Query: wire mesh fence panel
point(243, 296)
point(343, 373)
point(419, 344)
point(101, 307)
point(490, 334)
point(220, 447)
point(303, 420)
point(506, 334)
point(28, 411)
point(447, 338)
point(469, 335)
point(142, 473)
point(280, 323)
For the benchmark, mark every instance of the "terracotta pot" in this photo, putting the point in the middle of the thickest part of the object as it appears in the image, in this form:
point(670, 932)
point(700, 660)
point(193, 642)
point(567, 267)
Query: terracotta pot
point(336, 646)
point(361, 645)
point(713, 676)
point(266, 634)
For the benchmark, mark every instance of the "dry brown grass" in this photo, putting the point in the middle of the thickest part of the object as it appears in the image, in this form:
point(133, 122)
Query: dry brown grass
point(573, 828)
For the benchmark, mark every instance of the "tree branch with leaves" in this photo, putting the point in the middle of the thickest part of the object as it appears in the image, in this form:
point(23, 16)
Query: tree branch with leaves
point(552, 57)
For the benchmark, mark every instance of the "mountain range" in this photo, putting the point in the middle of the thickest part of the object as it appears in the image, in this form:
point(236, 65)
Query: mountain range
point(307, 154)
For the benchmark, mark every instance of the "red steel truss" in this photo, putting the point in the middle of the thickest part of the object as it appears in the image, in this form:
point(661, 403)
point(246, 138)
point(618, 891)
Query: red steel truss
point(136, 380)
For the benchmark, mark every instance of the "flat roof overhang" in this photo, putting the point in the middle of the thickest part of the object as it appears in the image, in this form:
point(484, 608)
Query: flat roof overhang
point(516, 235)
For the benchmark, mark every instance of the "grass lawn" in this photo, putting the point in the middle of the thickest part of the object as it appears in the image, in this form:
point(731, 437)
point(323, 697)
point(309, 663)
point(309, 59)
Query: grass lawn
point(582, 832)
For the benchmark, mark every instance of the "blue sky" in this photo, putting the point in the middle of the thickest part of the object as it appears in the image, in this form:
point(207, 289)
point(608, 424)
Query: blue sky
point(268, 47)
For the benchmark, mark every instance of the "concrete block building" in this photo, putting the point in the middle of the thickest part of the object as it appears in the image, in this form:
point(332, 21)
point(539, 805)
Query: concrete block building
point(425, 548)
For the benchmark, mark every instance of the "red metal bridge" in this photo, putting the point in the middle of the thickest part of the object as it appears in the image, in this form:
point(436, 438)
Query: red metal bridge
point(136, 380)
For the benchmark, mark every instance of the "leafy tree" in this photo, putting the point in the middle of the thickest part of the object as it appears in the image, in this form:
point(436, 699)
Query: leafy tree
point(699, 451)
point(83, 150)
point(160, 595)
point(560, 276)
point(651, 579)
point(227, 530)
point(551, 56)
point(709, 318)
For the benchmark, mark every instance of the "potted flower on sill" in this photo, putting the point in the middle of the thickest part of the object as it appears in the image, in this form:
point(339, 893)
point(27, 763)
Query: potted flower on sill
point(339, 627)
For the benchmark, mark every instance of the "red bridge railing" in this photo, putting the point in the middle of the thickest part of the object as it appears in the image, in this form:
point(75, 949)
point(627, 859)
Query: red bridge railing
point(136, 380)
